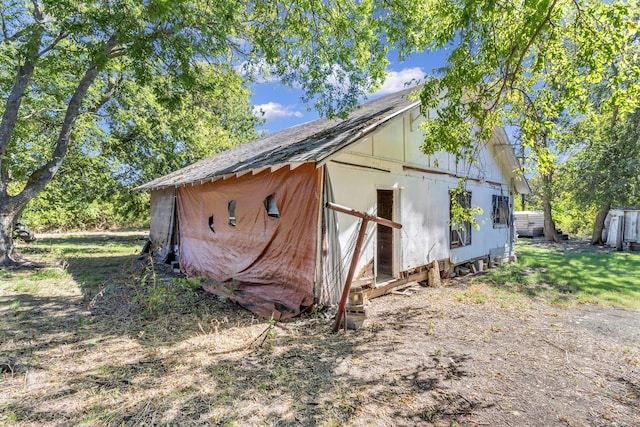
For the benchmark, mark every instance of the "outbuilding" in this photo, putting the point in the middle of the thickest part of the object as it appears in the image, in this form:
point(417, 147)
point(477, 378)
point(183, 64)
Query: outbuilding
point(622, 228)
point(529, 223)
point(255, 219)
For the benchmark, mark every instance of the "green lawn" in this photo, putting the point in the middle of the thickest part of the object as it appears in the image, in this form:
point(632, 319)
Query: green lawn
point(90, 336)
point(560, 274)
point(83, 261)
point(565, 275)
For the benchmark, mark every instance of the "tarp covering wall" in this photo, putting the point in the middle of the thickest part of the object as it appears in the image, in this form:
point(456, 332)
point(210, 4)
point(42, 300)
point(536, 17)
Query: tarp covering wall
point(162, 223)
point(267, 262)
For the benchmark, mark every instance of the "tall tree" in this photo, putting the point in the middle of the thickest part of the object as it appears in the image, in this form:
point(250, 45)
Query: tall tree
point(64, 62)
point(152, 130)
point(502, 53)
point(603, 169)
point(537, 113)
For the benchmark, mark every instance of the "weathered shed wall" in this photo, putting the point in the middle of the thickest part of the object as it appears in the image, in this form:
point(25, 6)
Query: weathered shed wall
point(390, 159)
point(622, 228)
point(529, 223)
point(268, 262)
point(162, 223)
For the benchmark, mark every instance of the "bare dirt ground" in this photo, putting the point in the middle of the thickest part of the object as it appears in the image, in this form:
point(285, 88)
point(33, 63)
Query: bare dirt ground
point(466, 354)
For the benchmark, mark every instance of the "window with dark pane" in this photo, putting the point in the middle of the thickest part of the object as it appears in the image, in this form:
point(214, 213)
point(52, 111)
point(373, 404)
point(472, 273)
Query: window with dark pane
point(500, 211)
point(271, 206)
point(460, 233)
point(232, 212)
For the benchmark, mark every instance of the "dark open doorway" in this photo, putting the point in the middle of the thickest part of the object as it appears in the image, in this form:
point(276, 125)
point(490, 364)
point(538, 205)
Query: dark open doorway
point(384, 250)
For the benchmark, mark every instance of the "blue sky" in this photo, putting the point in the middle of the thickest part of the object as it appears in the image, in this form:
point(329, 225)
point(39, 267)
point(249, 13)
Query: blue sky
point(283, 107)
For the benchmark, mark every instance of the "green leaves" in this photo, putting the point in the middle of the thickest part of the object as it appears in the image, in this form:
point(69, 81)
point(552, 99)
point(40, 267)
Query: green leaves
point(333, 50)
point(167, 91)
point(461, 211)
point(605, 161)
point(531, 63)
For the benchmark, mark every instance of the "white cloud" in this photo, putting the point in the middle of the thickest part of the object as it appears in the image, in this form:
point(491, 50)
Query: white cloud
point(397, 80)
point(274, 110)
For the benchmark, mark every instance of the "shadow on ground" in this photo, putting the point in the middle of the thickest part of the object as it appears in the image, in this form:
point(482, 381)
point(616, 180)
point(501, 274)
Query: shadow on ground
point(104, 353)
point(108, 362)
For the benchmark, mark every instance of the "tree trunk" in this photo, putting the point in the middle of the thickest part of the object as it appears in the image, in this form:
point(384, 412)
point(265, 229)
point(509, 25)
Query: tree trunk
point(598, 226)
point(550, 233)
point(6, 238)
point(12, 205)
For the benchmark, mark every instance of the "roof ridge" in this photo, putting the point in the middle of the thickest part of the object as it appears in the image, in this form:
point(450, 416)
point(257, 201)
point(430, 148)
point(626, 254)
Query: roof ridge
point(307, 142)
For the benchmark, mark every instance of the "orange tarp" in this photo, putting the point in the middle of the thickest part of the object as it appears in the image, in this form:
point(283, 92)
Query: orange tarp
point(268, 263)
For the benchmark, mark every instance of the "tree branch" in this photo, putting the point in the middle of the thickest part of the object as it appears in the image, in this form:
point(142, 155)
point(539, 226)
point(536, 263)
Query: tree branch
point(37, 13)
point(510, 76)
point(116, 52)
point(14, 100)
point(38, 112)
point(42, 176)
point(10, 38)
point(63, 35)
point(110, 91)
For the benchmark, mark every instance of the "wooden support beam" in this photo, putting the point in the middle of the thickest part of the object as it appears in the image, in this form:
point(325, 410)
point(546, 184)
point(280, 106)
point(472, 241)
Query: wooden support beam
point(363, 215)
point(341, 313)
point(453, 175)
point(256, 171)
point(388, 287)
point(294, 165)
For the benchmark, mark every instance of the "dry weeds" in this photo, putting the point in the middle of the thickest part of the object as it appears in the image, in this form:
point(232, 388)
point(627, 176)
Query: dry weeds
point(465, 354)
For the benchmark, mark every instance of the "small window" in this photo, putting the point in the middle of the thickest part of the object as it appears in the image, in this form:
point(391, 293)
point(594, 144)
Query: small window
point(232, 212)
point(211, 225)
point(500, 211)
point(460, 233)
point(271, 207)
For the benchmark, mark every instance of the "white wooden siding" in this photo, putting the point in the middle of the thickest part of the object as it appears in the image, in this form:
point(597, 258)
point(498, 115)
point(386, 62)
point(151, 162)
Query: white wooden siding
point(424, 196)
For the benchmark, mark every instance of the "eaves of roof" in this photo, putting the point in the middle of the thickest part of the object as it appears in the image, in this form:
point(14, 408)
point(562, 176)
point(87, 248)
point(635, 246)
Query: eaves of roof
point(304, 143)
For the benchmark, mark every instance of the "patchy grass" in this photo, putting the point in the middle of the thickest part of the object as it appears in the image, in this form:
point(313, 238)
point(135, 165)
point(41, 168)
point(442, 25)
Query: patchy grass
point(74, 261)
point(89, 335)
point(568, 275)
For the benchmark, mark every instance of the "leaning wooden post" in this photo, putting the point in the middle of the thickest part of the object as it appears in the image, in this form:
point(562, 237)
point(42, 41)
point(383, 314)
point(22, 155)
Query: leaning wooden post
point(356, 253)
point(347, 285)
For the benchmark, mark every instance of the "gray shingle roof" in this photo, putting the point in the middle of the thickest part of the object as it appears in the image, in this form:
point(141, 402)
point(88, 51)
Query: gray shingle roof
point(307, 142)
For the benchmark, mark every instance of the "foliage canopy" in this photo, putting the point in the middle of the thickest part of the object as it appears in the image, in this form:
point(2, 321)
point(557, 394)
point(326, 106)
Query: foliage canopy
point(147, 85)
point(140, 85)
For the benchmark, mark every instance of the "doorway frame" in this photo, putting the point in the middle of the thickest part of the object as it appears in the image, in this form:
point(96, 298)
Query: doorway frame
point(396, 258)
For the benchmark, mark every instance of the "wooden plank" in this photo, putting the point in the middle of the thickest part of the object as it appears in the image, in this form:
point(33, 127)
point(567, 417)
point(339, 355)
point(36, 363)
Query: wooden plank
point(361, 166)
point(434, 275)
point(453, 175)
point(340, 314)
point(388, 287)
point(363, 215)
point(256, 171)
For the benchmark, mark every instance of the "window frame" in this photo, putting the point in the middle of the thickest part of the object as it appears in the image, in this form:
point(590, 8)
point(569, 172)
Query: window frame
point(231, 212)
point(500, 203)
point(460, 235)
